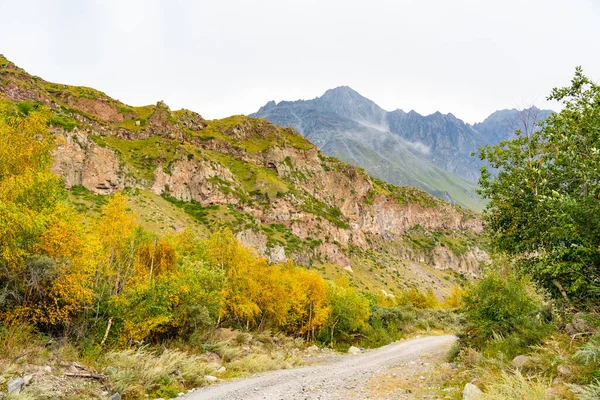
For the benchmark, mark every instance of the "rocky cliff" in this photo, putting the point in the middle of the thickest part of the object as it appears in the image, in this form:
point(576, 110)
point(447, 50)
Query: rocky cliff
point(275, 189)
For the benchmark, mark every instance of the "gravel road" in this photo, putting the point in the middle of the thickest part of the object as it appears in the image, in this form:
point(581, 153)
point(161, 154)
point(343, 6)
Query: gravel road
point(328, 381)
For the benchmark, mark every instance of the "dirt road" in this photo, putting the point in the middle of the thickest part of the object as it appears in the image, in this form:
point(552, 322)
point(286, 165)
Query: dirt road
point(329, 381)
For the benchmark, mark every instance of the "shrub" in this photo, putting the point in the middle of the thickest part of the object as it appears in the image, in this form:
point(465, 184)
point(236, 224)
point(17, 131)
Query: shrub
point(505, 307)
point(589, 353)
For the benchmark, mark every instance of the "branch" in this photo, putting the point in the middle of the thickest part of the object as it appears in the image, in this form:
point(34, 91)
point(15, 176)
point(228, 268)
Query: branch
point(106, 333)
point(99, 377)
point(561, 289)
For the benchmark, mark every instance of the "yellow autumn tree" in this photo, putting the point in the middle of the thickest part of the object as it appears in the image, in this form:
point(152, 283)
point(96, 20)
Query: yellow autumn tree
point(28, 190)
point(423, 300)
point(114, 230)
point(43, 252)
point(240, 288)
point(455, 299)
point(309, 302)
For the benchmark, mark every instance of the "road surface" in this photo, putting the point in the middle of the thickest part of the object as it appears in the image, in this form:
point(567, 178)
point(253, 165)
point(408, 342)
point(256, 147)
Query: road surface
point(328, 381)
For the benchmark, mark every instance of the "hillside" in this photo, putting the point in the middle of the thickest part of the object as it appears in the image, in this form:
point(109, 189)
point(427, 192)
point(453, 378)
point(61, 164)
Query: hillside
point(430, 152)
point(269, 184)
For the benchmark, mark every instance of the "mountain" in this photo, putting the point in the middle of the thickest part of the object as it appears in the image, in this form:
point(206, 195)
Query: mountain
point(430, 152)
point(502, 124)
point(269, 184)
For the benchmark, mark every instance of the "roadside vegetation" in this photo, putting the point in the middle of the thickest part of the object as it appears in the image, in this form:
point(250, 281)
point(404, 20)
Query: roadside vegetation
point(533, 323)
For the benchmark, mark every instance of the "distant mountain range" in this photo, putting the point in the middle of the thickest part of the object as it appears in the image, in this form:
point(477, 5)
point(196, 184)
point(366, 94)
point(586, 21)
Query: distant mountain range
point(430, 152)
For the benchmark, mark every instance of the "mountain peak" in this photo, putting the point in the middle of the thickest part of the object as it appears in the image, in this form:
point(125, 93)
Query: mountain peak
point(271, 104)
point(340, 92)
point(348, 103)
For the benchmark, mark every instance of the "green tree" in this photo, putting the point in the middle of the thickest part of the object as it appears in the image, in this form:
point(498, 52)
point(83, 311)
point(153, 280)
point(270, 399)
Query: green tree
point(544, 203)
point(349, 310)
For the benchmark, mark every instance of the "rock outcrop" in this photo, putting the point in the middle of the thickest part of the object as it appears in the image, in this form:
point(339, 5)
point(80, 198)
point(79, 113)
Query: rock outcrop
point(80, 161)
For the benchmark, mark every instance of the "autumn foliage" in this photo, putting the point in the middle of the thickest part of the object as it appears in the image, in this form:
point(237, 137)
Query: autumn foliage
point(106, 279)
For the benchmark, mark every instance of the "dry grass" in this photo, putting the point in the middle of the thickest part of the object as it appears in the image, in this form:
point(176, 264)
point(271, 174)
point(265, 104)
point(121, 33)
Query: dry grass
point(20, 344)
point(587, 392)
point(263, 362)
point(139, 372)
point(516, 386)
point(143, 372)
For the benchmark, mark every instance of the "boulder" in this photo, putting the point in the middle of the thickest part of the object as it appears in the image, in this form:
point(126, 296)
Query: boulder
point(15, 385)
point(210, 378)
point(116, 396)
point(570, 329)
point(353, 350)
point(222, 369)
point(521, 362)
point(563, 371)
point(471, 392)
point(580, 324)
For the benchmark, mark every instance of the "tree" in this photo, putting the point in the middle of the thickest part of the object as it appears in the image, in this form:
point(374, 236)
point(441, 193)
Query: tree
point(349, 310)
point(454, 300)
point(545, 201)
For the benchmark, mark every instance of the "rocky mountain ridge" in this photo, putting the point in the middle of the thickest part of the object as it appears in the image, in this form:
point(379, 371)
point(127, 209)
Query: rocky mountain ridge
point(430, 152)
point(274, 188)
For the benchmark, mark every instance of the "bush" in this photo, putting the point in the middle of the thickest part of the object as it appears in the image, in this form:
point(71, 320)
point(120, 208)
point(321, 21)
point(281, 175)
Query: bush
point(505, 307)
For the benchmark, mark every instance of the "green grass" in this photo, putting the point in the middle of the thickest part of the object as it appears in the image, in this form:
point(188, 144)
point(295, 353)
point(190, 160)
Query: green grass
point(141, 115)
point(85, 201)
point(214, 216)
point(77, 91)
point(319, 208)
point(280, 235)
point(258, 182)
point(64, 122)
point(193, 208)
point(144, 155)
point(3, 61)
point(260, 134)
point(458, 242)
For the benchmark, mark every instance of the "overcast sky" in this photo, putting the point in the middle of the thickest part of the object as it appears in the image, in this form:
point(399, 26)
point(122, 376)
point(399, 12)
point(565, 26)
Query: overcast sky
point(222, 57)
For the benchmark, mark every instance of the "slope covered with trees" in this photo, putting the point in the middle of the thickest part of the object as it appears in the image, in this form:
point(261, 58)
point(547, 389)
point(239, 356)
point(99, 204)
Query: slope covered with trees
point(103, 282)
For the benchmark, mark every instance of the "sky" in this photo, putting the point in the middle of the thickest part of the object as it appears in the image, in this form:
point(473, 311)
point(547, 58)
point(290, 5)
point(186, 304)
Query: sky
point(223, 57)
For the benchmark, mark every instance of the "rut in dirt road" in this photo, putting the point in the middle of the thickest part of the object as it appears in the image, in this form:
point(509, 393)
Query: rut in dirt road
point(324, 381)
